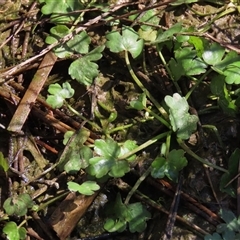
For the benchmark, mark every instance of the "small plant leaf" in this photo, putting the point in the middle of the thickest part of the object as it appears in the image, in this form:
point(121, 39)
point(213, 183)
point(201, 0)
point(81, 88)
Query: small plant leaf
point(140, 103)
point(169, 166)
point(199, 44)
point(227, 230)
point(137, 217)
point(119, 169)
point(147, 32)
point(76, 155)
point(214, 54)
point(3, 163)
point(176, 69)
point(84, 70)
point(192, 64)
point(55, 8)
point(128, 146)
point(230, 58)
point(232, 73)
point(56, 33)
point(99, 166)
point(227, 216)
point(159, 167)
point(108, 162)
point(120, 214)
point(87, 188)
point(22, 233)
point(215, 236)
point(150, 17)
point(176, 162)
point(13, 232)
point(187, 63)
point(219, 88)
point(73, 186)
point(67, 136)
point(59, 94)
point(116, 209)
point(128, 41)
point(232, 172)
point(78, 159)
point(148, 35)
point(108, 149)
point(18, 205)
point(114, 226)
point(168, 34)
point(181, 121)
point(80, 43)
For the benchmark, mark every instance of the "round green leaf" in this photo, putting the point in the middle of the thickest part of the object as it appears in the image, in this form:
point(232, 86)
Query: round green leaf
point(11, 230)
point(88, 188)
point(214, 54)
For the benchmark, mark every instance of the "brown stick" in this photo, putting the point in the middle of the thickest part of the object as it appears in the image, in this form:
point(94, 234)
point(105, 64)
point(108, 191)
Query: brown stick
point(32, 92)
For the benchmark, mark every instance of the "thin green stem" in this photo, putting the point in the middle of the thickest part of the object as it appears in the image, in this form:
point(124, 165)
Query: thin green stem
point(140, 85)
point(52, 200)
point(94, 125)
point(191, 153)
point(168, 141)
point(212, 127)
point(208, 110)
point(197, 83)
point(137, 184)
point(80, 17)
point(119, 128)
point(168, 70)
point(163, 121)
point(144, 145)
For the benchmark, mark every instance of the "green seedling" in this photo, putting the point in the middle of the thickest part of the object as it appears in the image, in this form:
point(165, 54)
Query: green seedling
point(140, 103)
point(186, 63)
point(225, 64)
point(18, 205)
point(182, 122)
point(78, 44)
point(227, 230)
point(75, 155)
point(62, 11)
point(13, 232)
point(146, 32)
point(67, 136)
point(59, 94)
point(120, 215)
point(84, 70)
point(107, 161)
point(170, 165)
point(129, 41)
point(199, 44)
point(87, 188)
point(219, 89)
point(164, 36)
